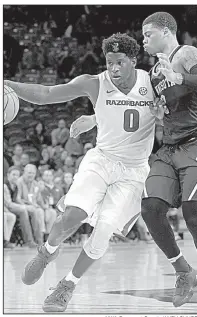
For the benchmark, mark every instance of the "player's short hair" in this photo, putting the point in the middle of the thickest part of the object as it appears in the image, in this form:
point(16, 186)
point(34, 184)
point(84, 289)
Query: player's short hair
point(161, 20)
point(13, 168)
point(121, 43)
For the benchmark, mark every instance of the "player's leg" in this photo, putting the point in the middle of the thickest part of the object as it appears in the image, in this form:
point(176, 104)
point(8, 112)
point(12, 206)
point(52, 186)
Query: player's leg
point(115, 211)
point(9, 221)
point(188, 178)
point(80, 202)
point(162, 189)
point(185, 161)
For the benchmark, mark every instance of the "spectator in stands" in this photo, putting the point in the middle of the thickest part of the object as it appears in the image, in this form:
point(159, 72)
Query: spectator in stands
point(86, 148)
point(25, 159)
point(29, 194)
point(74, 146)
point(56, 159)
point(51, 195)
point(66, 64)
point(11, 206)
point(69, 165)
point(27, 59)
point(39, 136)
point(68, 180)
point(89, 62)
point(9, 220)
point(82, 28)
point(61, 134)
point(50, 26)
point(18, 151)
point(58, 181)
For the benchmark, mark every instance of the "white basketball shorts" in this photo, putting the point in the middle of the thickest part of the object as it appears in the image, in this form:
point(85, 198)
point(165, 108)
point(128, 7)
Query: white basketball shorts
point(103, 187)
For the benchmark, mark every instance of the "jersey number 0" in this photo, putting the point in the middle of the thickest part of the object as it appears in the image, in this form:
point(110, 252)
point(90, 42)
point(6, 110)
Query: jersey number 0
point(131, 120)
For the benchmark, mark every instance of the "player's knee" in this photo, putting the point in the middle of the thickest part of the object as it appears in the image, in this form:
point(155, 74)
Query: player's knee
point(96, 251)
point(189, 209)
point(152, 207)
point(73, 216)
point(98, 243)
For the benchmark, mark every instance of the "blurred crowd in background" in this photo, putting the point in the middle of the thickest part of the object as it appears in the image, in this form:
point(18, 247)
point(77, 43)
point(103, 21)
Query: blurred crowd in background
point(51, 45)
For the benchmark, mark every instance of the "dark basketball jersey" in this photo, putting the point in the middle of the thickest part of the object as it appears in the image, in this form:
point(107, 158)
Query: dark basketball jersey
point(181, 122)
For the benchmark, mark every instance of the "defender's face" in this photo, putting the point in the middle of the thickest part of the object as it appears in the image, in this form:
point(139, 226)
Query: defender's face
point(119, 66)
point(153, 39)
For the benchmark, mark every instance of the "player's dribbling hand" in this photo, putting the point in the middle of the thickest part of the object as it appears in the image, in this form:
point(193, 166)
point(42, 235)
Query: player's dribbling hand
point(81, 125)
point(158, 109)
point(166, 67)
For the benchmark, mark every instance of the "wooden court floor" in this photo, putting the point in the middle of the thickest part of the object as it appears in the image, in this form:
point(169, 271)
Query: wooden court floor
point(131, 278)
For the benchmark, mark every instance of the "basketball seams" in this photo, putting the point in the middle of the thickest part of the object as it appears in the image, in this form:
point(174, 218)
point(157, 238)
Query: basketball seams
point(12, 97)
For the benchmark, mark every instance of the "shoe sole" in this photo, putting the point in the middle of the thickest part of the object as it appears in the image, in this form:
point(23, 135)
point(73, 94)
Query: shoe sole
point(53, 309)
point(186, 299)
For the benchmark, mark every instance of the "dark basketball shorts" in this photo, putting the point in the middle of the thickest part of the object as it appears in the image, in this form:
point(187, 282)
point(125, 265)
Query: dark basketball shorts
point(173, 174)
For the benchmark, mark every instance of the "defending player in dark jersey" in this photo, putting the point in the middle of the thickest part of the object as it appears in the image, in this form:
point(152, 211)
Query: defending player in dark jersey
point(173, 175)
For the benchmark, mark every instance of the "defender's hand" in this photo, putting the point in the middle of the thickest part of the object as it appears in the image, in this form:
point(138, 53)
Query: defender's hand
point(159, 108)
point(166, 67)
point(81, 125)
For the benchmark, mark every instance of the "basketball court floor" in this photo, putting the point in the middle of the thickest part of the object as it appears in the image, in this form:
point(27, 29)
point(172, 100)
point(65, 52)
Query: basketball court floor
point(131, 278)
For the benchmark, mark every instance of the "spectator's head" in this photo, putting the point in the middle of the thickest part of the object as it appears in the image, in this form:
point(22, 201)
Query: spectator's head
point(61, 124)
point(68, 179)
point(65, 51)
point(158, 30)
point(39, 128)
point(18, 150)
point(69, 161)
point(87, 147)
point(58, 181)
point(30, 171)
point(48, 177)
point(83, 18)
point(13, 174)
point(25, 159)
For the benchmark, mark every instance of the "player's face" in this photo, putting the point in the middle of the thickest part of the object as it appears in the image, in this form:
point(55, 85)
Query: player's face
point(119, 66)
point(153, 39)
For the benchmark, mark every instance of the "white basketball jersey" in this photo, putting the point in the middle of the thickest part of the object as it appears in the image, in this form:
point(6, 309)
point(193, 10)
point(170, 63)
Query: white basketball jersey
point(125, 123)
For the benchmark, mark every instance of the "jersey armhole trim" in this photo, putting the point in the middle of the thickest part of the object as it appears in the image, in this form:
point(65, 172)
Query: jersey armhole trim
point(99, 89)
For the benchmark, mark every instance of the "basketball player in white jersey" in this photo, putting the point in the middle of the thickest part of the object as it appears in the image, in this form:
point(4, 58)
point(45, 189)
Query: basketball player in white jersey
point(109, 183)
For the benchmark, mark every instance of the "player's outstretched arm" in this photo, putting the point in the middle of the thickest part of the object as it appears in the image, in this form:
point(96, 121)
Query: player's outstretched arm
point(82, 124)
point(40, 94)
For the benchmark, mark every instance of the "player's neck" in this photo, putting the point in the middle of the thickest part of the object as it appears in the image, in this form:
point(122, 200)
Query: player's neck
point(170, 46)
point(129, 82)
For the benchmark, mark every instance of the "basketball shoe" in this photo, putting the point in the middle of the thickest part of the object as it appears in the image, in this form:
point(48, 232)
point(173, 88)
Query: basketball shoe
point(59, 299)
point(34, 269)
point(185, 284)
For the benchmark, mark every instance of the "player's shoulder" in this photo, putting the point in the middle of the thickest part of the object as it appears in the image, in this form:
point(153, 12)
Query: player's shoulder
point(188, 56)
point(187, 52)
point(142, 72)
point(185, 49)
point(144, 75)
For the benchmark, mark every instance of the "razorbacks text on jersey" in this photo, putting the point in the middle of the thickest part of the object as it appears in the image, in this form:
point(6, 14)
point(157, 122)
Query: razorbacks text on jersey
point(181, 122)
point(125, 123)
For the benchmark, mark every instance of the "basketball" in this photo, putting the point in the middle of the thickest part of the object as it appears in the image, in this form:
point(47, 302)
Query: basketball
point(11, 105)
